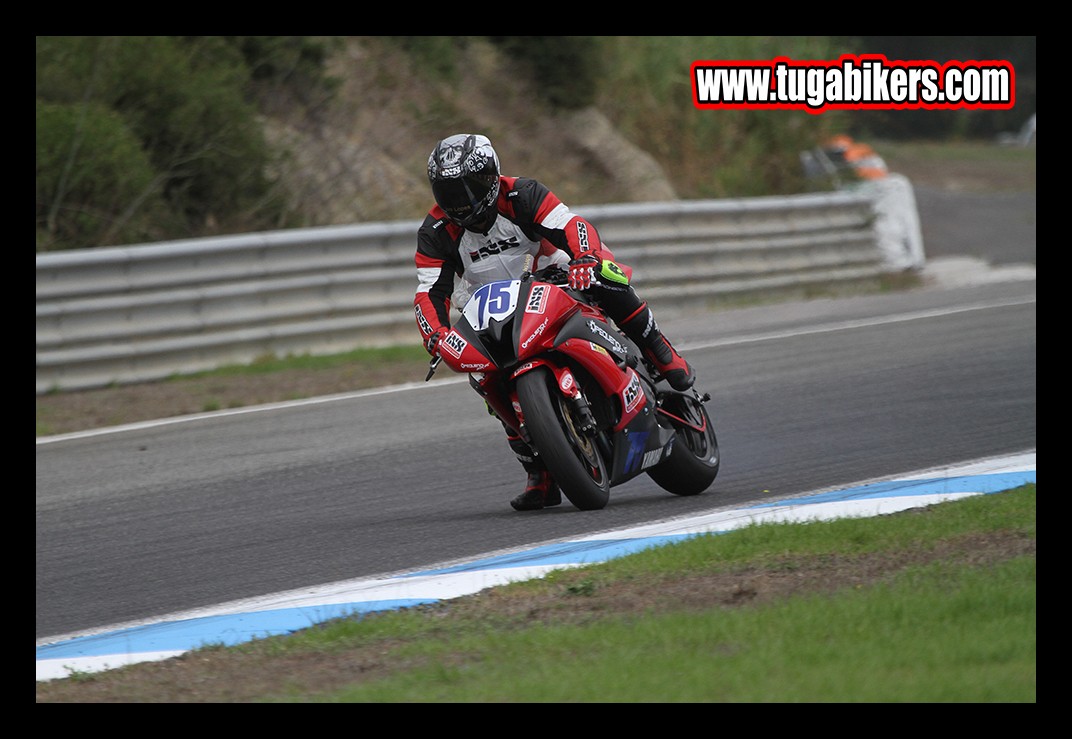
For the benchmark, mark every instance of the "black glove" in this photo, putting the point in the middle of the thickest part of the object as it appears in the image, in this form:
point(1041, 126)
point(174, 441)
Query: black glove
point(433, 341)
point(581, 272)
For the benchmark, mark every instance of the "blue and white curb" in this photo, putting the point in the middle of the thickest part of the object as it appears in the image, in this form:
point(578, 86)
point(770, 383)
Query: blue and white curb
point(282, 613)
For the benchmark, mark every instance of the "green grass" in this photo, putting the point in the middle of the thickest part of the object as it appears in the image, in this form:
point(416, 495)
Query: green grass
point(929, 605)
point(368, 357)
point(935, 634)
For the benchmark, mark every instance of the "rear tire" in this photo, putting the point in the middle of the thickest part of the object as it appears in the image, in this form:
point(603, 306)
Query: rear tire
point(693, 464)
point(572, 458)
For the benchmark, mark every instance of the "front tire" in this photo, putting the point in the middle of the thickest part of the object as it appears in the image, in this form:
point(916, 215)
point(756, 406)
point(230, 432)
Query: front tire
point(572, 458)
point(693, 464)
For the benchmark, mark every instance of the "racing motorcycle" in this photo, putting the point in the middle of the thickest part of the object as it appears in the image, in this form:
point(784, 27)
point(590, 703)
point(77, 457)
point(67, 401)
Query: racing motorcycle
point(579, 391)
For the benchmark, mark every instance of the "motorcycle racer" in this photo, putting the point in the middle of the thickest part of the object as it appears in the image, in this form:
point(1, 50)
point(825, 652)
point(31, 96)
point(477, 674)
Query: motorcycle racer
point(482, 227)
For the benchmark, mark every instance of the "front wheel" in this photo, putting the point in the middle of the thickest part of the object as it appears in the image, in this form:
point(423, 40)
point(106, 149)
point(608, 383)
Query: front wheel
point(693, 463)
point(572, 458)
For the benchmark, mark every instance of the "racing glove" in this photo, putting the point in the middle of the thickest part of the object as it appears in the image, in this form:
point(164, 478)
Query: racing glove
point(432, 342)
point(582, 272)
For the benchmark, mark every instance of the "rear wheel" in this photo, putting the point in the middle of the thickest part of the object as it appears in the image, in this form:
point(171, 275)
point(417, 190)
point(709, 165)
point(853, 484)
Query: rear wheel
point(693, 464)
point(572, 457)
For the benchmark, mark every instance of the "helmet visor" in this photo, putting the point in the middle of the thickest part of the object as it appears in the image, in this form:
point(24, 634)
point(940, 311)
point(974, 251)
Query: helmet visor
point(464, 199)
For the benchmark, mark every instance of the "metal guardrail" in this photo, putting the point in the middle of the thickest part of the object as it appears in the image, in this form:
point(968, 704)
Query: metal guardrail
point(130, 314)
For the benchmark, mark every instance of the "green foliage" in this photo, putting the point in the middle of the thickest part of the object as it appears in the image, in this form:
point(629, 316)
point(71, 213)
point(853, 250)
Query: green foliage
point(566, 69)
point(647, 92)
point(435, 56)
point(94, 181)
point(298, 60)
point(189, 103)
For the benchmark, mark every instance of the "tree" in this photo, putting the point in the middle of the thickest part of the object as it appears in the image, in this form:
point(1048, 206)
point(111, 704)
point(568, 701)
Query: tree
point(185, 103)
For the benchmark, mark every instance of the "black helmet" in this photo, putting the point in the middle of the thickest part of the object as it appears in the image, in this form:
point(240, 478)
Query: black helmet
point(464, 172)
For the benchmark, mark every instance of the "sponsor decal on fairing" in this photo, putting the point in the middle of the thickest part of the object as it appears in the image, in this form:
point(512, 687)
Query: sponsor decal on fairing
point(537, 300)
point(595, 328)
point(454, 344)
point(566, 382)
point(535, 334)
point(632, 393)
point(635, 456)
point(651, 458)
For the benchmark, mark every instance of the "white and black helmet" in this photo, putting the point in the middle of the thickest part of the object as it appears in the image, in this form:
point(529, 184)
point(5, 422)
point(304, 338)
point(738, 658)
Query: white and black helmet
point(464, 172)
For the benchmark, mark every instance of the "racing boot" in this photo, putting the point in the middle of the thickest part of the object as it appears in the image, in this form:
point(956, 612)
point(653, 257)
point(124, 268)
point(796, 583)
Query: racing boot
point(642, 329)
point(541, 491)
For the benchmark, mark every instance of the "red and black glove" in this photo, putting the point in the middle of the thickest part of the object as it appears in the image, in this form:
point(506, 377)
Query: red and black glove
point(432, 342)
point(582, 272)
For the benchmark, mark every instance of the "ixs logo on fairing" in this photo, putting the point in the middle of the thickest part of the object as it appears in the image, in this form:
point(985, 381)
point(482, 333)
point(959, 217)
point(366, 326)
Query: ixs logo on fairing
point(537, 299)
point(454, 344)
point(632, 393)
point(538, 332)
point(494, 247)
point(595, 328)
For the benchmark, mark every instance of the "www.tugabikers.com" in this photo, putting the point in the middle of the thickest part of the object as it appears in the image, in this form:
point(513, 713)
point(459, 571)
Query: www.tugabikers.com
point(856, 82)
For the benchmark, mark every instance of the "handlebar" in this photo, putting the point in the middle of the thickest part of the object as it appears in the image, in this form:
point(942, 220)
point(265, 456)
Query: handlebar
point(553, 275)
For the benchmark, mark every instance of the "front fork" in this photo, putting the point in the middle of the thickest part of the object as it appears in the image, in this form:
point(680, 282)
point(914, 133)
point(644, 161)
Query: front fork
point(505, 406)
point(583, 420)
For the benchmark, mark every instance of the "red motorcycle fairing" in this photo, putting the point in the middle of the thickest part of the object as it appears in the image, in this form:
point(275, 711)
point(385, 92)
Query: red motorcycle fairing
point(581, 332)
point(640, 446)
point(609, 375)
point(567, 381)
point(553, 320)
point(589, 341)
point(611, 379)
point(463, 355)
